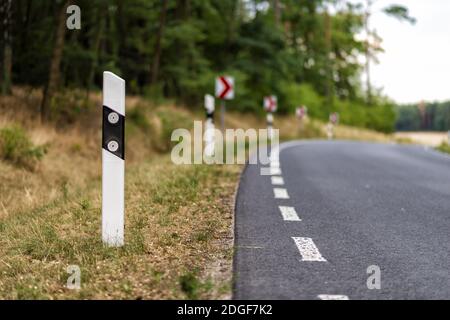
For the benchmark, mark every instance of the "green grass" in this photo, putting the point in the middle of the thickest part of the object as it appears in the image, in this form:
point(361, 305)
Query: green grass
point(444, 147)
point(17, 147)
point(192, 286)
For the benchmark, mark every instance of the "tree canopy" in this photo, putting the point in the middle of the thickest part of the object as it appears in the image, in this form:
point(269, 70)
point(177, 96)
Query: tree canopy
point(303, 51)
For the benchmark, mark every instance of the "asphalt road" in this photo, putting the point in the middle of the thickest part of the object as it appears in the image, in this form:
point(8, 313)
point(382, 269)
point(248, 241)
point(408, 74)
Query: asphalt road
point(358, 205)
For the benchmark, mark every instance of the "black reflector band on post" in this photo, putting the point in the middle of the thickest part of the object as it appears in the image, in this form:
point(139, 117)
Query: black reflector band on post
point(210, 115)
point(113, 133)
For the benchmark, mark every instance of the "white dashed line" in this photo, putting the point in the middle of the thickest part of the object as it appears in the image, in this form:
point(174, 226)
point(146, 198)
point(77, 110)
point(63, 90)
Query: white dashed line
point(274, 164)
point(270, 171)
point(277, 181)
point(308, 249)
point(332, 297)
point(280, 193)
point(289, 214)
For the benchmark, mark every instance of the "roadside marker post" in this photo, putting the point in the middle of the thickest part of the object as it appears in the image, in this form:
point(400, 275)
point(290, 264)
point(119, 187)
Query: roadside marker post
point(270, 104)
point(270, 125)
point(113, 160)
point(301, 113)
point(334, 120)
point(209, 137)
point(224, 91)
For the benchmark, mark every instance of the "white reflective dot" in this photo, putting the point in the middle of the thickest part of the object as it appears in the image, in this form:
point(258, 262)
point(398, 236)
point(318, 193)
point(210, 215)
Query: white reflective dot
point(113, 118)
point(113, 146)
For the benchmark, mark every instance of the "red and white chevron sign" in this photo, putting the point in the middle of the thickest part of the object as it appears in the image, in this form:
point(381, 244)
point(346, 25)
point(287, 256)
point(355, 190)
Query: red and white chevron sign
point(334, 118)
point(301, 112)
point(225, 88)
point(270, 103)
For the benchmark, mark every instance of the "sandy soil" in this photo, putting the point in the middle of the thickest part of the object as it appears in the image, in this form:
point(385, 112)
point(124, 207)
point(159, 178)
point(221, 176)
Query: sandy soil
point(433, 139)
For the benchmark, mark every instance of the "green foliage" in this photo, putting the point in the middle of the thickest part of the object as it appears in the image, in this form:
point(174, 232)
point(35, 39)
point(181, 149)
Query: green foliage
point(306, 95)
point(444, 147)
point(399, 12)
point(170, 121)
point(17, 148)
point(380, 117)
point(309, 57)
point(137, 116)
point(192, 286)
point(429, 117)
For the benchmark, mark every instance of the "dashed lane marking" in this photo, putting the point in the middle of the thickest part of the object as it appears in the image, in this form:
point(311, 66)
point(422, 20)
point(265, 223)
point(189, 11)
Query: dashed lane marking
point(332, 297)
point(280, 193)
point(289, 214)
point(272, 171)
point(308, 249)
point(277, 181)
point(274, 164)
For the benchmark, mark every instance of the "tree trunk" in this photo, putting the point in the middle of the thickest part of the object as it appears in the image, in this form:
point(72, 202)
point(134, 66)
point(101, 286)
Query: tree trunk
point(55, 63)
point(277, 12)
point(329, 87)
point(367, 52)
point(157, 52)
point(25, 25)
point(7, 48)
point(96, 48)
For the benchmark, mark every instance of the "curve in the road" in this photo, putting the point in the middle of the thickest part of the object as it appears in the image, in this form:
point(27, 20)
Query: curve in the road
point(323, 215)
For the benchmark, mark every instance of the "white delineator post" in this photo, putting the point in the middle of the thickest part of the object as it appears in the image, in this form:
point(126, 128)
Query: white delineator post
point(209, 137)
point(334, 120)
point(301, 113)
point(270, 104)
point(113, 160)
point(270, 126)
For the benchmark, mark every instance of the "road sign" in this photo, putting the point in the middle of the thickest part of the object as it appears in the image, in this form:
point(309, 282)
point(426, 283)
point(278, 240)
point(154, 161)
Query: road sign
point(301, 112)
point(270, 103)
point(334, 118)
point(113, 160)
point(225, 88)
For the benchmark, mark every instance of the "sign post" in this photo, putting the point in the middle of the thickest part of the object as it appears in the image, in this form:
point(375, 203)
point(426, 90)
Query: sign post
point(300, 113)
point(270, 105)
point(334, 120)
point(209, 137)
point(113, 160)
point(224, 91)
point(269, 118)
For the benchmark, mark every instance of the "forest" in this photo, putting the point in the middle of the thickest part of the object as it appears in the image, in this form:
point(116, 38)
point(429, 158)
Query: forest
point(307, 52)
point(425, 116)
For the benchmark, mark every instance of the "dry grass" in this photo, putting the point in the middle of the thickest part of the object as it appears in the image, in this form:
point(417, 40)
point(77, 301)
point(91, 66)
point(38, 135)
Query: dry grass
point(432, 139)
point(178, 218)
point(178, 222)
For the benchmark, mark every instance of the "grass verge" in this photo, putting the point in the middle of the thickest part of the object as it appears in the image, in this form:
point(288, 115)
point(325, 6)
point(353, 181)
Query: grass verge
point(178, 228)
point(444, 147)
point(178, 218)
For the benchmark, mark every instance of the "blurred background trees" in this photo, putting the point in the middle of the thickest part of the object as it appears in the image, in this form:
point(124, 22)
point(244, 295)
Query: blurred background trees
point(304, 51)
point(433, 116)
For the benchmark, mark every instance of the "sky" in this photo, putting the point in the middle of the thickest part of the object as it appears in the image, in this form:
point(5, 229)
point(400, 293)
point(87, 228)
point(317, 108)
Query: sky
point(416, 62)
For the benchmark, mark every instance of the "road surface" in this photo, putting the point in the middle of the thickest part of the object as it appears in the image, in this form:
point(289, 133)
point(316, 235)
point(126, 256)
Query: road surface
point(331, 210)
